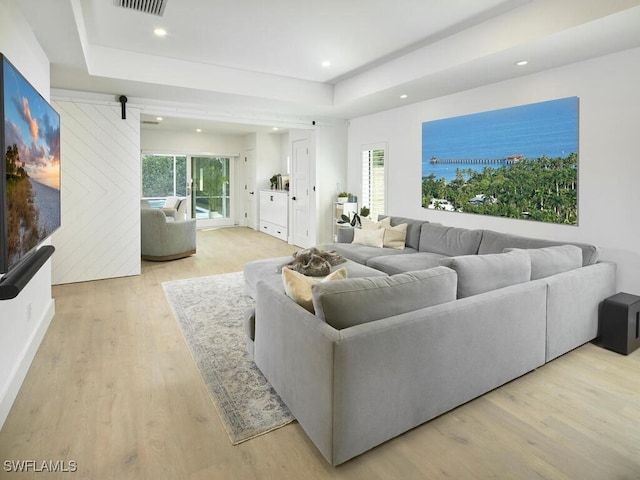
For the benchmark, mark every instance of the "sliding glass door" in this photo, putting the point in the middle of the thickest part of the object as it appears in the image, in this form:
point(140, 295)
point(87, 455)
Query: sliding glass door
point(205, 181)
point(163, 176)
point(211, 192)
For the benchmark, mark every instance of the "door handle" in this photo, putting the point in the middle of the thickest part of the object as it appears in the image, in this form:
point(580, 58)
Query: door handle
point(293, 198)
point(250, 193)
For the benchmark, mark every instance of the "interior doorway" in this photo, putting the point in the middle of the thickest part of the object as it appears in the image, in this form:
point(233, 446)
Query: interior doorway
point(300, 193)
point(249, 186)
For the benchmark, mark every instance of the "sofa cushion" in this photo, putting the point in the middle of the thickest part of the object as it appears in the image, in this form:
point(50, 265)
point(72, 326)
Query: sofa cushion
point(268, 270)
point(393, 264)
point(548, 261)
point(413, 229)
point(354, 301)
point(449, 241)
point(298, 286)
point(362, 253)
point(395, 237)
point(369, 237)
point(482, 273)
point(496, 242)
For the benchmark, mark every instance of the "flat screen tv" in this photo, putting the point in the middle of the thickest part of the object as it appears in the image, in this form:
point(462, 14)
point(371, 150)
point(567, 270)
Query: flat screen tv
point(30, 184)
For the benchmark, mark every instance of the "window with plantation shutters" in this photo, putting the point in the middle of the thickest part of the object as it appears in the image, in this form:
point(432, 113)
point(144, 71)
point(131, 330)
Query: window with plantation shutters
point(373, 179)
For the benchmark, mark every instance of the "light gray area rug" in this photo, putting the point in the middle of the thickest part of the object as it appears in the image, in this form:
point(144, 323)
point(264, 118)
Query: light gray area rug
point(210, 312)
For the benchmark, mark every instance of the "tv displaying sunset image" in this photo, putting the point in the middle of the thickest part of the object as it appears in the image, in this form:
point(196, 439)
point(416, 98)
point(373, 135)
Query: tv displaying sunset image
point(31, 150)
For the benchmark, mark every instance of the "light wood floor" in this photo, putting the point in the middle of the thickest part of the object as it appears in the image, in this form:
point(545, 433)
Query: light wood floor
point(113, 387)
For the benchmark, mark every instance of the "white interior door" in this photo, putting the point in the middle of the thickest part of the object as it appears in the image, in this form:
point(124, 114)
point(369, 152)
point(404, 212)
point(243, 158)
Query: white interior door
point(250, 194)
point(300, 193)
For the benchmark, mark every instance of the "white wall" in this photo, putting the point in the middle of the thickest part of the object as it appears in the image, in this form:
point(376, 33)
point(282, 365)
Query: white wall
point(267, 150)
point(285, 154)
point(159, 141)
point(609, 162)
point(268, 158)
point(23, 320)
point(100, 192)
point(331, 170)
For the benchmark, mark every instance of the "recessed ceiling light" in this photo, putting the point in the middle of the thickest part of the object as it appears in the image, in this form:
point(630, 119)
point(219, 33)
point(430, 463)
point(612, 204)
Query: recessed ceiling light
point(160, 32)
point(404, 95)
point(326, 63)
point(159, 119)
point(275, 129)
point(198, 130)
point(521, 63)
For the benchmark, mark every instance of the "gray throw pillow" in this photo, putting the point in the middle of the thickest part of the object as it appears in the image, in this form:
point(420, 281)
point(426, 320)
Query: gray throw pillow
point(345, 303)
point(551, 260)
point(496, 242)
point(482, 273)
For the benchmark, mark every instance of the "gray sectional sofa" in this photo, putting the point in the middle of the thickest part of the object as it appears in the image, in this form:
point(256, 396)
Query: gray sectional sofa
point(415, 332)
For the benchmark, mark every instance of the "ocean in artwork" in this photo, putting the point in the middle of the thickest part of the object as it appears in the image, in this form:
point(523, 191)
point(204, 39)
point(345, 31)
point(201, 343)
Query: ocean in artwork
point(490, 138)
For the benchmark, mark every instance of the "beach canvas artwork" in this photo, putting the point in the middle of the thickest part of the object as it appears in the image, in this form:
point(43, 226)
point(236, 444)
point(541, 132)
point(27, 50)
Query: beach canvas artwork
point(519, 162)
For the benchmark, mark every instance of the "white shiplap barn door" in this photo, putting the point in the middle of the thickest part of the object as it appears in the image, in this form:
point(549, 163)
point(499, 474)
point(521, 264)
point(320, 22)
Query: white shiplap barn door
point(100, 193)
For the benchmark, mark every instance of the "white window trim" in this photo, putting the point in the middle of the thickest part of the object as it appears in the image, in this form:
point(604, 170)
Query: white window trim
point(376, 146)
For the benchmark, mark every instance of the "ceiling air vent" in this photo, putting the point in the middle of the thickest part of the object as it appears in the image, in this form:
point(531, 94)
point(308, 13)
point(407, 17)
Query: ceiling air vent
point(154, 7)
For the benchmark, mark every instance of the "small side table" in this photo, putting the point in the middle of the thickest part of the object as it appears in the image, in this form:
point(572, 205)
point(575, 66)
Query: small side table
point(621, 323)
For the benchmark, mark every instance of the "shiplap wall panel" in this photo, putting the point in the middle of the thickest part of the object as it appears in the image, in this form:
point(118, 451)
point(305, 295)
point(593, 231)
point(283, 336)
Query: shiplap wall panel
point(100, 193)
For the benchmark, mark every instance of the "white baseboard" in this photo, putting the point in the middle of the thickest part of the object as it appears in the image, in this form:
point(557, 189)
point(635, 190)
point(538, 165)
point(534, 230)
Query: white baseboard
point(10, 392)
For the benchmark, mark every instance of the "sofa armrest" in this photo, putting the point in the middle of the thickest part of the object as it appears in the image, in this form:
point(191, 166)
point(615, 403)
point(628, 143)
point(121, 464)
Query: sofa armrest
point(294, 350)
point(573, 303)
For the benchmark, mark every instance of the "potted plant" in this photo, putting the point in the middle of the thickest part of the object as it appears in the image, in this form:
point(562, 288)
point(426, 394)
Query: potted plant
point(343, 197)
point(354, 222)
point(214, 183)
point(364, 212)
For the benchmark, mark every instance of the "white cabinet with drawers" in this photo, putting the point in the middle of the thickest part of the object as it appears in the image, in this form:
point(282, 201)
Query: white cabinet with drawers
point(274, 213)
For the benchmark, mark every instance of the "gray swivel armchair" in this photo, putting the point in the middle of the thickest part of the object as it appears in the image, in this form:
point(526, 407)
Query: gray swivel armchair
point(162, 240)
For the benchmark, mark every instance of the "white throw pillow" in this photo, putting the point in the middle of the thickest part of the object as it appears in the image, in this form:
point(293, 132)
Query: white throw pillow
point(368, 224)
point(171, 202)
point(298, 286)
point(394, 237)
point(370, 238)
